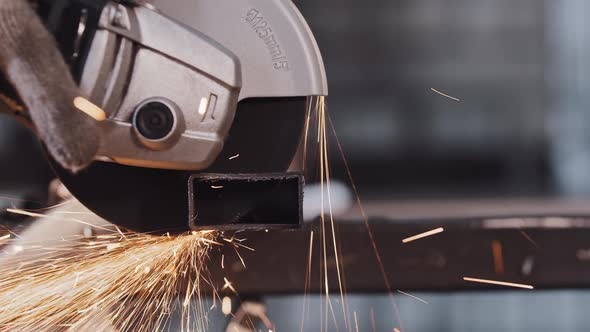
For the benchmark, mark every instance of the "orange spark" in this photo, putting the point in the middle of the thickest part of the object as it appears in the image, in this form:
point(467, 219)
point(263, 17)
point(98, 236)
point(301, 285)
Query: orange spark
point(228, 285)
point(445, 95)
point(423, 235)
point(412, 296)
point(84, 282)
point(47, 217)
point(499, 283)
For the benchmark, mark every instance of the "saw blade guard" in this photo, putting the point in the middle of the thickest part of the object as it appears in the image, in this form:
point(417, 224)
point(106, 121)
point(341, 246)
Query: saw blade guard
point(281, 68)
point(278, 52)
point(188, 66)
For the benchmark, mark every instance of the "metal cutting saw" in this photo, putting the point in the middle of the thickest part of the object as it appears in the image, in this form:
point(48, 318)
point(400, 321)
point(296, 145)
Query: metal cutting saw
point(206, 102)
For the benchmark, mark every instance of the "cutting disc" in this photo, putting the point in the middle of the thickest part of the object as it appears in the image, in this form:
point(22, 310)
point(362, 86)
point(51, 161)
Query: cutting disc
point(264, 138)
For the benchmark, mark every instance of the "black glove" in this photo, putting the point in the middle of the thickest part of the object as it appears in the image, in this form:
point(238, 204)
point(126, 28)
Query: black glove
point(31, 61)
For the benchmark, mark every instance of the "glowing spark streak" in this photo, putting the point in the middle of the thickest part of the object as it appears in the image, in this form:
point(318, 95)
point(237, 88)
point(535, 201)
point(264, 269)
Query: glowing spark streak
point(307, 282)
point(21, 265)
point(240, 257)
point(356, 322)
point(323, 221)
point(526, 236)
point(89, 108)
point(228, 285)
point(306, 134)
point(412, 296)
point(244, 246)
point(373, 325)
point(234, 157)
point(5, 237)
point(222, 260)
point(367, 225)
point(216, 187)
point(14, 234)
point(77, 274)
point(445, 95)
point(39, 293)
point(209, 241)
point(38, 215)
point(332, 224)
point(423, 235)
point(120, 232)
point(324, 178)
point(331, 307)
point(214, 301)
point(187, 295)
point(499, 283)
point(113, 246)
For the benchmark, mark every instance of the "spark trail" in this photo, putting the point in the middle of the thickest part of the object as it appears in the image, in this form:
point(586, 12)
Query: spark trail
point(329, 248)
point(328, 233)
point(114, 282)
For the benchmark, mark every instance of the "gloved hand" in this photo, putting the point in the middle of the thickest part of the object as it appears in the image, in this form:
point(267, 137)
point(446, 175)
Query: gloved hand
point(31, 61)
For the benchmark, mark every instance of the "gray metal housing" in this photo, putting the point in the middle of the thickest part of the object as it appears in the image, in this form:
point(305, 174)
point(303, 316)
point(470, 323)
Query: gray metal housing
point(203, 57)
point(172, 62)
point(277, 50)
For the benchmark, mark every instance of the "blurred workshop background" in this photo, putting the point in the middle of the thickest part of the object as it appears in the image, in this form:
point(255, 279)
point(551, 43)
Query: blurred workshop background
point(521, 69)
